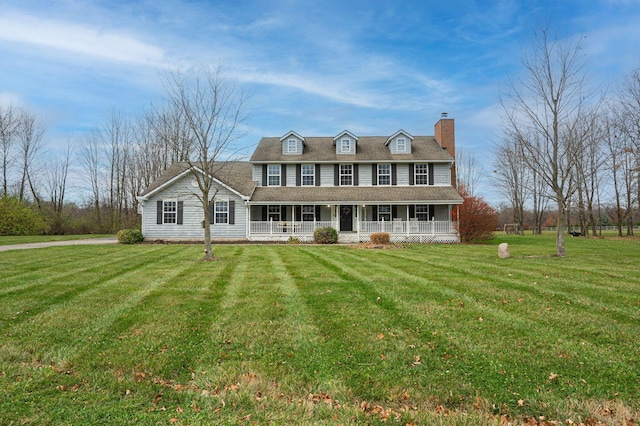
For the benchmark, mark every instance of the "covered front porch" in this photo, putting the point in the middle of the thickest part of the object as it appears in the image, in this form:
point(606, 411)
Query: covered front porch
point(418, 223)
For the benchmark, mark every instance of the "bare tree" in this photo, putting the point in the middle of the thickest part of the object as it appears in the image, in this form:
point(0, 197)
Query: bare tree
point(544, 112)
point(57, 173)
point(511, 174)
point(30, 135)
point(212, 110)
point(468, 172)
point(91, 162)
point(9, 120)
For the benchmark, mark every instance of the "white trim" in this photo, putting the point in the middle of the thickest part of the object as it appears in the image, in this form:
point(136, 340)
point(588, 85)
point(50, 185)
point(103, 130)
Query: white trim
point(345, 132)
point(292, 133)
point(398, 133)
point(181, 175)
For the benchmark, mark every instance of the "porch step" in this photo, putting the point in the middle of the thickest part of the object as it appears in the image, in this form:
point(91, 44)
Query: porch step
point(348, 237)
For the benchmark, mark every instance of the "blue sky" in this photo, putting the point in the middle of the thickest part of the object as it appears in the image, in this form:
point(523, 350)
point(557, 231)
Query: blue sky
point(316, 67)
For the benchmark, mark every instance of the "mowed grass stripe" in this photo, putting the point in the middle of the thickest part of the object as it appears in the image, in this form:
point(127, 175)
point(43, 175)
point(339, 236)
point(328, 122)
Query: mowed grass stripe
point(465, 343)
point(589, 292)
point(55, 294)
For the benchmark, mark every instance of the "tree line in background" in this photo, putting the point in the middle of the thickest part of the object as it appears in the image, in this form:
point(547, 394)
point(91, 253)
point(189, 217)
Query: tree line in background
point(568, 147)
point(115, 161)
point(568, 153)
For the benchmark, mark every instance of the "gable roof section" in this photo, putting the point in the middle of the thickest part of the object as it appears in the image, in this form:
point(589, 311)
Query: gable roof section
point(370, 149)
point(234, 175)
point(291, 132)
point(345, 132)
point(398, 133)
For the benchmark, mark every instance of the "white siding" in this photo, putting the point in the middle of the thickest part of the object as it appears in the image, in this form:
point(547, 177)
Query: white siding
point(441, 174)
point(191, 228)
point(256, 174)
point(402, 174)
point(291, 174)
point(326, 175)
point(364, 175)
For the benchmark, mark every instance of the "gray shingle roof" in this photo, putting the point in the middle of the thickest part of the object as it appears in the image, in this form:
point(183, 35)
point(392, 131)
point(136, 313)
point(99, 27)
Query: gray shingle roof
point(235, 174)
point(357, 194)
point(369, 148)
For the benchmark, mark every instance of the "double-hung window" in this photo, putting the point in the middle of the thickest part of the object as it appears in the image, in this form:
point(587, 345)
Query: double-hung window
point(169, 211)
point(422, 174)
point(273, 175)
point(384, 174)
point(292, 146)
point(274, 213)
point(345, 145)
point(401, 145)
point(308, 213)
point(346, 174)
point(384, 212)
point(308, 174)
point(422, 212)
point(221, 212)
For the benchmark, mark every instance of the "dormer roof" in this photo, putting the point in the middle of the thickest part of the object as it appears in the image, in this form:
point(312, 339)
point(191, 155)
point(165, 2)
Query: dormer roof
point(292, 133)
point(345, 132)
point(398, 133)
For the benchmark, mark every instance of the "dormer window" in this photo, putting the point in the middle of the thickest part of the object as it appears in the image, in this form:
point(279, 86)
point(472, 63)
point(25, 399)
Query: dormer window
point(345, 146)
point(291, 146)
point(401, 145)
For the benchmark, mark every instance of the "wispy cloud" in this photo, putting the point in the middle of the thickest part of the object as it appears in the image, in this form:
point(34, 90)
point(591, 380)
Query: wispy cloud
point(106, 44)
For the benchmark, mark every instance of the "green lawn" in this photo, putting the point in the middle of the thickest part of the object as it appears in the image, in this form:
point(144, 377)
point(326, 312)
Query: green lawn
point(23, 239)
point(305, 334)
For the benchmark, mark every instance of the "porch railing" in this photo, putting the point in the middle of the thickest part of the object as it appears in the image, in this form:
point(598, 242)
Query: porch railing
point(368, 227)
point(408, 227)
point(287, 227)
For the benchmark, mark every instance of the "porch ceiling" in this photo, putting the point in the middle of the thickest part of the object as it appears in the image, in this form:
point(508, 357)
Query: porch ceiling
point(357, 194)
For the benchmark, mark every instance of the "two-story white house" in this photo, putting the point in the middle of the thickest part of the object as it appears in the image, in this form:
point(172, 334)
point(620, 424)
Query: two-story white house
point(400, 184)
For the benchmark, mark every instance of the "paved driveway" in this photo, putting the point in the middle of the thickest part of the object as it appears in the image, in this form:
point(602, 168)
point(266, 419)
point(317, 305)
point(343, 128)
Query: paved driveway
point(88, 241)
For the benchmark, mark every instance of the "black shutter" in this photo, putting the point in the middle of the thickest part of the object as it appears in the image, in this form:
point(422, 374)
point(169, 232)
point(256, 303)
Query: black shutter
point(317, 212)
point(394, 212)
point(432, 211)
point(394, 179)
point(212, 212)
point(298, 174)
point(298, 210)
point(430, 173)
point(411, 174)
point(374, 174)
point(159, 212)
point(283, 175)
point(317, 169)
point(180, 212)
point(283, 213)
point(355, 175)
point(264, 213)
point(374, 212)
point(264, 175)
point(232, 212)
point(412, 211)
point(336, 175)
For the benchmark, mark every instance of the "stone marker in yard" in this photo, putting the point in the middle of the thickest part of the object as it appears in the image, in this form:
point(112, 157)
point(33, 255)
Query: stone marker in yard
point(503, 251)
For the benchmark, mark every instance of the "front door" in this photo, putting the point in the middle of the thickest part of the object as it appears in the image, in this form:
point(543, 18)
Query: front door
point(346, 218)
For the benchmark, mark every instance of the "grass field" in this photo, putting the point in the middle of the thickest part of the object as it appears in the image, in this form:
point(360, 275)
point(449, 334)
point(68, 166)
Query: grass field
point(305, 334)
point(23, 239)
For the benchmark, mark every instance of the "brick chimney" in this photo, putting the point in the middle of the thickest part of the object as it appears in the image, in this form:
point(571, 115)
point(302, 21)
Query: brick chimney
point(445, 136)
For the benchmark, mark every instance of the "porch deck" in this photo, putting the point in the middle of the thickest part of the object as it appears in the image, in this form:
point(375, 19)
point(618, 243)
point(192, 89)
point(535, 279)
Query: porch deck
point(399, 231)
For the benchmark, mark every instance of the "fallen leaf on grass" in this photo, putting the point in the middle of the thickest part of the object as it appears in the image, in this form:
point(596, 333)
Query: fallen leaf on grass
point(553, 376)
